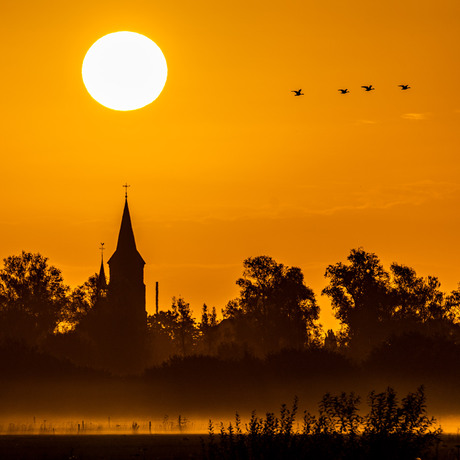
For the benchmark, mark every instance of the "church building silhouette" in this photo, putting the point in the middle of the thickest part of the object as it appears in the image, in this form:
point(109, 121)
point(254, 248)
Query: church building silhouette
point(116, 327)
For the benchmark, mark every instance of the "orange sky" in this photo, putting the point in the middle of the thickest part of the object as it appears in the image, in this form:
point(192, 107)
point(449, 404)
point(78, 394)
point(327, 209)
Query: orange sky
point(226, 163)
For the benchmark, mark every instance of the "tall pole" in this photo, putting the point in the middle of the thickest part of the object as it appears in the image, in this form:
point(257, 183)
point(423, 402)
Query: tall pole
point(156, 296)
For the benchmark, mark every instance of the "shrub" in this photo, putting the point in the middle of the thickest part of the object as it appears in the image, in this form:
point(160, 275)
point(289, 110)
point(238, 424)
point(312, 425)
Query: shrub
point(389, 430)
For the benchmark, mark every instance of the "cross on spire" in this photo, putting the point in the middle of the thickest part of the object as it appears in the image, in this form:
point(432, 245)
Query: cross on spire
point(126, 189)
point(102, 250)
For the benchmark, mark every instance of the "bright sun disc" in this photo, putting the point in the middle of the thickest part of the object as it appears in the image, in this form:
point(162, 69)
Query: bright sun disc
point(124, 71)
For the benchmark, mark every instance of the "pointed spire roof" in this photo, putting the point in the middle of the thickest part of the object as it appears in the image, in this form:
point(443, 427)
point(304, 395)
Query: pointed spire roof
point(101, 280)
point(126, 246)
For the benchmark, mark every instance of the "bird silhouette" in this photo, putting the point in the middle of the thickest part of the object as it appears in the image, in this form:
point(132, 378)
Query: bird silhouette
point(297, 92)
point(344, 91)
point(368, 88)
point(403, 87)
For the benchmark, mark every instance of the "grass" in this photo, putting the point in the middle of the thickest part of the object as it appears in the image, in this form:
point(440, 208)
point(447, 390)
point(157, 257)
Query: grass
point(103, 447)
point(391, 429)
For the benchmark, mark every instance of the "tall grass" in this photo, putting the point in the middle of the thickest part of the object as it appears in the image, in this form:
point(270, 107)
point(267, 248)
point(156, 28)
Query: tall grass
point(391, 429)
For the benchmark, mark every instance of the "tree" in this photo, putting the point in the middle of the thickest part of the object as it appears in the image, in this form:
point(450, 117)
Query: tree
point(275, 300)
point(207, 330)
point(81, 300)
point(161, 329)
point(33, 297)
point(360, 296)
point(185, 328)
point(330, 341)
point(208, 319)
point(176, 326)
point(373, 304)
point(452, 303)
point(417, 298)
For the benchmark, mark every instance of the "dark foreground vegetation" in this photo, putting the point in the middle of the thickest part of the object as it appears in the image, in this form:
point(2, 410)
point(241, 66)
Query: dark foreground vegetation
point(101, 447)
point(390, 430)
point(148, 447)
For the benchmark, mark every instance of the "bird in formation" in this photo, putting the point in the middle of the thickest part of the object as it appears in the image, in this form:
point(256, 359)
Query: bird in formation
point(298, 92)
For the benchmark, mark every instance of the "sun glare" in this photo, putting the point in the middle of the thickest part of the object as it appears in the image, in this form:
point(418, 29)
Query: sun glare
point(124, 71)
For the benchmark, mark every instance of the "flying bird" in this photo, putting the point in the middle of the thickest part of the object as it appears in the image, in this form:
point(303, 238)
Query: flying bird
point(297, 92)
point(344, 91)
point(403, 87)
point(368, 88)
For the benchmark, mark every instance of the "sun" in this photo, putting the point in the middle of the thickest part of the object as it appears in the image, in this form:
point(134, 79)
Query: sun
point(124, 71)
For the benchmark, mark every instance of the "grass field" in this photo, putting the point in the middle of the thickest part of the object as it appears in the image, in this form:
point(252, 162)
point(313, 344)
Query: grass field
point(138, 447)
point(100, 447)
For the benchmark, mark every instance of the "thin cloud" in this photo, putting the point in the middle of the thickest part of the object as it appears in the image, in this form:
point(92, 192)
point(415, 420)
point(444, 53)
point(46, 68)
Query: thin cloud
point(366, 122)
point(384, 197)
point(415, 116)
point(412, 194)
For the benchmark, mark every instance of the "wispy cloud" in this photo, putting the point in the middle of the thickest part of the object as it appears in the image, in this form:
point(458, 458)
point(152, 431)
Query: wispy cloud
point(322, 202)
point(385, 197)
point(366, 122)
point(415, 116)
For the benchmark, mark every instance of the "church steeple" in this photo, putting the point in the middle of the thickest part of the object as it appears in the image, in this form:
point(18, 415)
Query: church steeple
point(127, 268)
point(126, 245)
point(101, 279)
point(118, 326)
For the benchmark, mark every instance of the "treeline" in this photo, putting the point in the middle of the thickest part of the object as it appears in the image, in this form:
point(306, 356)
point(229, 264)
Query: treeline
point(276, 310)
point(36, 303)
point(383, 313)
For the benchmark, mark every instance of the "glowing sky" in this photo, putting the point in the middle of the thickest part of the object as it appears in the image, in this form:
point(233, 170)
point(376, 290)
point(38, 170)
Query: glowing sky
point(226, 163)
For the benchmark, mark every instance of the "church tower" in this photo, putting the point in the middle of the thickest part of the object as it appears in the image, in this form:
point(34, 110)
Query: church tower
point(126, 291)
point(115, 329)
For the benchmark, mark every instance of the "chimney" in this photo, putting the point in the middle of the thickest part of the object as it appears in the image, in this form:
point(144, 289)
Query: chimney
point(156, 296)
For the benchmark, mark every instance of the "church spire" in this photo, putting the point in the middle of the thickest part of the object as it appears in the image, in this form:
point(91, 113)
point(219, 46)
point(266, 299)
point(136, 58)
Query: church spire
point(126, 260)
point(101, 279)
point(126, 245)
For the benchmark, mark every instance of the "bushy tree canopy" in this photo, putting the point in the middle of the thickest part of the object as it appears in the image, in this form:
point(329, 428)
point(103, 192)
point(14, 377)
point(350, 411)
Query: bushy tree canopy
point(176, 327)
point(80, 301)
point(372, 303)
point(33, 296)
point(275, 299)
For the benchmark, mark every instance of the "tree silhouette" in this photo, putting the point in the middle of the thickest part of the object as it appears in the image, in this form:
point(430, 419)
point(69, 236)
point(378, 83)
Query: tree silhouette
point(208, 319)
point(417, 298)
point(185, 328)
point(174, 330)
point(207, 329)
point(360, 295)
point(81, 300)
point(275, 301)
point(33, 297)
point(373, 304)
point(161, 327)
